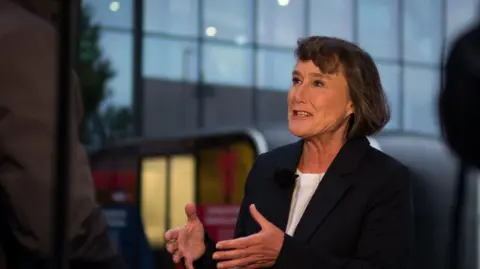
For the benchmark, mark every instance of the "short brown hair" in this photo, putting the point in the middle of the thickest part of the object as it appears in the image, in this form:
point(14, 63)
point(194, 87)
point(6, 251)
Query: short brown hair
point(332, 55)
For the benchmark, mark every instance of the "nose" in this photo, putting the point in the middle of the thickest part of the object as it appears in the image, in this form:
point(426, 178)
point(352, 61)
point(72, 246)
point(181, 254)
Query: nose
point(299, 94)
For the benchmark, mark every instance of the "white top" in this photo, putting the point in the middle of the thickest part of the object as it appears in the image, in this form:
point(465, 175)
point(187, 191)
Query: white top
point(305, 187)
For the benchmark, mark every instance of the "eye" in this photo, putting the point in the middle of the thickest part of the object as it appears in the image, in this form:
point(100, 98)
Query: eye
point(295, 80)
point(318, 83)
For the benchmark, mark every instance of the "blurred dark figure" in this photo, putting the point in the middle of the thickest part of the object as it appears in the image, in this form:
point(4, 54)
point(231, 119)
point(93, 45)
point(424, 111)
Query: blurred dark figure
point(460, 98)
point(459, 118)
point(27, 132)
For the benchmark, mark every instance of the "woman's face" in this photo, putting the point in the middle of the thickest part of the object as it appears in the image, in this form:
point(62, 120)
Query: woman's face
point(317, 103)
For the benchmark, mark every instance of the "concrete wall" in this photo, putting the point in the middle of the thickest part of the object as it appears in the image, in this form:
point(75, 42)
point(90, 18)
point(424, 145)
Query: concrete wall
point(171, 108)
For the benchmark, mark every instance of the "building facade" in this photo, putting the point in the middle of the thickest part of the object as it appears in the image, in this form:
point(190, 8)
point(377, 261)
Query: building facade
point(213, 63)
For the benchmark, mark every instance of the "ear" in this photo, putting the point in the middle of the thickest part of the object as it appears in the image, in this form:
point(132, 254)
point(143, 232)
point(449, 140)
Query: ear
point(350, 109)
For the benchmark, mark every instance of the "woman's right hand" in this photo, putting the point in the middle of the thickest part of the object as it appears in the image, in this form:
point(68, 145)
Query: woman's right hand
point(188, 241)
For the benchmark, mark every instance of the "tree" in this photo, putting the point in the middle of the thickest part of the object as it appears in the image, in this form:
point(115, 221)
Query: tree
point(117, 122)
point(94, 72)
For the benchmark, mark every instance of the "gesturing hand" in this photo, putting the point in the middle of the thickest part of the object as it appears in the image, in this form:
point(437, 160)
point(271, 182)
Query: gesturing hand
point(187, 242)
point(259, 250)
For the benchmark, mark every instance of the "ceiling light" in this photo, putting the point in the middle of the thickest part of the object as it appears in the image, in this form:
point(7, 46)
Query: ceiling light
point(114, 6)
point(211, 31)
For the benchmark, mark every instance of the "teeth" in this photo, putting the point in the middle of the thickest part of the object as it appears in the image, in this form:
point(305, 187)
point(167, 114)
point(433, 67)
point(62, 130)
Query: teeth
point(302, 113)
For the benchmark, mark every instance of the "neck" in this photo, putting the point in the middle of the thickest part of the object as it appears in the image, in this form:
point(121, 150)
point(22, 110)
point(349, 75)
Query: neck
point(319, 152)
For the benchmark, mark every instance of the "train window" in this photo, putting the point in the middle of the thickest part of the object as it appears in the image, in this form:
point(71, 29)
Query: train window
point(153, 193)
point(182, 187)
point(167, 184)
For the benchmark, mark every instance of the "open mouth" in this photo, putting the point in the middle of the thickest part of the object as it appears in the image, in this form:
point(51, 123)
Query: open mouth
point(300, 113)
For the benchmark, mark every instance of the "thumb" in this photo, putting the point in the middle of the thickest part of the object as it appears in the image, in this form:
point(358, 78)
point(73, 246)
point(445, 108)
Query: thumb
point(191, 212)
point(259, 218)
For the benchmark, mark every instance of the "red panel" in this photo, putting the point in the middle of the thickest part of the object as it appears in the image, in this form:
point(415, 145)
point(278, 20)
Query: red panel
point(113, 180)
point(219, 220)
point(228, 166)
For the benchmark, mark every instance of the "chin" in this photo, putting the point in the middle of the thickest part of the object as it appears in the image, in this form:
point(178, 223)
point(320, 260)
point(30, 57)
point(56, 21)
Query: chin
point(298, 131)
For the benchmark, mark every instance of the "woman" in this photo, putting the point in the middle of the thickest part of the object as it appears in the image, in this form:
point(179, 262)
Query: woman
point(328, 201)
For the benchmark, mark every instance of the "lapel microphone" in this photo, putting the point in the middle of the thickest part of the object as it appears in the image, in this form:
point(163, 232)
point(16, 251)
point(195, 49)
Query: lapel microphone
point(285, 178)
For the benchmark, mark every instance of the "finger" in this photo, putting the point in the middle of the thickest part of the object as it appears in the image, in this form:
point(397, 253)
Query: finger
point(189, 264)
point(172, 246)
point(242, 262)
point(231, 254)
point(191, 212)
point(172, 234)
point(259, 218)
point(252, 266)
point(242, 242)
point(177, 256)
point(249, 266)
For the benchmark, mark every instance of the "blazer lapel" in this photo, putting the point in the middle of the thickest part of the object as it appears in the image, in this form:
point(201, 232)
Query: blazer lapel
point(284, 180)
point(332, 188)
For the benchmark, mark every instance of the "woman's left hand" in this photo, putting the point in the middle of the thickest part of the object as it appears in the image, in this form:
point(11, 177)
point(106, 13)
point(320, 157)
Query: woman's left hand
point(259, 250)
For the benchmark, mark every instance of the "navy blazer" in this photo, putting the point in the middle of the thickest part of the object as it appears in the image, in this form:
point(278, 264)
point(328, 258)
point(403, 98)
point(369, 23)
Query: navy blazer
point(360, 216)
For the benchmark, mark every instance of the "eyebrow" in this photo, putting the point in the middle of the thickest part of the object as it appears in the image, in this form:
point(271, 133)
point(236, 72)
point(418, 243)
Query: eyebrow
point(295, 73)
point(313, 74)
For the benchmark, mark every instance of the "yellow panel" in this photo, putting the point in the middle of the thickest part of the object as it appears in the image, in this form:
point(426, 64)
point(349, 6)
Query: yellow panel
point(210, 188)
point(245, 159)
point(182, 187)
point(210, 182)
point(153, 193)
